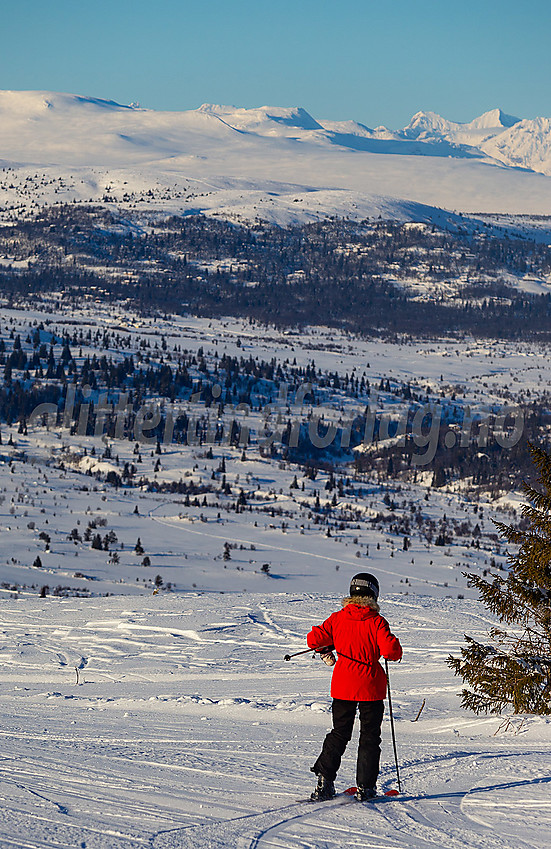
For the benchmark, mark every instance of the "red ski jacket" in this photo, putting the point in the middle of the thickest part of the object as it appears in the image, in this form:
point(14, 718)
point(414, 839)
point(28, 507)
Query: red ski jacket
point(360, 637)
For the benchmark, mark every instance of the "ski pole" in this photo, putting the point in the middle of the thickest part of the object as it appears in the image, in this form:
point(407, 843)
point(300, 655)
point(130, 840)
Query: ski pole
point(289, 656)
point(392, 726)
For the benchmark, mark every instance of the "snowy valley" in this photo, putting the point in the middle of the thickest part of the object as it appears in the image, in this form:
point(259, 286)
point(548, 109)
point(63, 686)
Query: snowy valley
point(151, 588)
point(246, 354)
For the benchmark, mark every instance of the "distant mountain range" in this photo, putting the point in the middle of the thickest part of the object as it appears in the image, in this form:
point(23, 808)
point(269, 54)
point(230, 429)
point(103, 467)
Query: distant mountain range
point(259, 162)
point(512, 141)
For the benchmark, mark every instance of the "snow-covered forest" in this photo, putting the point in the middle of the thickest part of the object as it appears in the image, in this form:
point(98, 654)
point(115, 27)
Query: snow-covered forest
point(182, 498)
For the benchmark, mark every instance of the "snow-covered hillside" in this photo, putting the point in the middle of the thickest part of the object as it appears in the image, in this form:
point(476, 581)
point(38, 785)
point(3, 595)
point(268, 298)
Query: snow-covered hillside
point(527, 144)
point(150, 587)
point(160, 713)
point(55, 495)
point(279, 164)
point(174, 723)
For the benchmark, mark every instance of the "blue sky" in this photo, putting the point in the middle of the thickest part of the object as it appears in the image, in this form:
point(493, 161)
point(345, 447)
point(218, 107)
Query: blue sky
point(377, 62)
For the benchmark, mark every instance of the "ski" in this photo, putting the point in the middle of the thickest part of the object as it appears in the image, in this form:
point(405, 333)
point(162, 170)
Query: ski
point(350, 795)
point(389, 794)
point(346, 795)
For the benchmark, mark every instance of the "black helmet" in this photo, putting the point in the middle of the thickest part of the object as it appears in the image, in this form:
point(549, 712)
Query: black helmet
point(365, 584)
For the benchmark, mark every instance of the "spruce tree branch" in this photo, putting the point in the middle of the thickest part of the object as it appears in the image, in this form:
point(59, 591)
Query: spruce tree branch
point(514, 667)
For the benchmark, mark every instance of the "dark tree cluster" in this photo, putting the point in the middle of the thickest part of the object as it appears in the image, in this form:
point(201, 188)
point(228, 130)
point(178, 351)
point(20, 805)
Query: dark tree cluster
point(355, 275)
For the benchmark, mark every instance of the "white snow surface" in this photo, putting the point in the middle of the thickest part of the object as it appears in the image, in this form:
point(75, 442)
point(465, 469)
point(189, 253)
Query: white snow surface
point(186, 728)
point(274, 163)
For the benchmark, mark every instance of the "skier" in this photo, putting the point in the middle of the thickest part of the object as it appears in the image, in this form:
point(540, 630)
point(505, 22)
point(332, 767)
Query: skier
point(360, 636)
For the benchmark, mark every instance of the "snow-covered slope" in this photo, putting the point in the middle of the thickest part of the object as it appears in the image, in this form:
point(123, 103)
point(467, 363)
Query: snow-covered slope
point(64, 147)
point(171, 720)
point(264, 120)
point(185, 729)
point(526, 144)
point(66, 130)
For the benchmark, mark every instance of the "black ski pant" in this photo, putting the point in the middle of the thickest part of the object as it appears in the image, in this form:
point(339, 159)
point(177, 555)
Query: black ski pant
point(369, 746)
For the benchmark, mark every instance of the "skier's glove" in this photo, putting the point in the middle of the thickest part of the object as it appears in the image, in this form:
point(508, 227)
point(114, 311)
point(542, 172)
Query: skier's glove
point(326, 654)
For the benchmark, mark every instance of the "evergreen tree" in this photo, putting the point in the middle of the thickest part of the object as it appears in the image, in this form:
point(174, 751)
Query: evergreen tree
point(513, 668)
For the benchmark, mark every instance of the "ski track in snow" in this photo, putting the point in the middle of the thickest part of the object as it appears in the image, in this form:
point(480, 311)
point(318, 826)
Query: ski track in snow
point(188, 730)
point(448, 818)
point(173, 521)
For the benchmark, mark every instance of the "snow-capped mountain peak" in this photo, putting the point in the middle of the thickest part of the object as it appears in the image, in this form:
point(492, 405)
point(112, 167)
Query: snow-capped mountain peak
point(427, 123)
point(492, 119)
point(432, 125)
point(274, 161)
point(265, 117)
point(526, 144)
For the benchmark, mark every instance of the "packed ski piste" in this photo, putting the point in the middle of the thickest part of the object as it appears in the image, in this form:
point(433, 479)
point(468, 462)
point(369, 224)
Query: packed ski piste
point(174, 721)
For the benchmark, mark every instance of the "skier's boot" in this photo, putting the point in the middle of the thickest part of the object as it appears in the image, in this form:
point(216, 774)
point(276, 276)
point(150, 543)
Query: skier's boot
point(364, 794)
point(325, 790)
